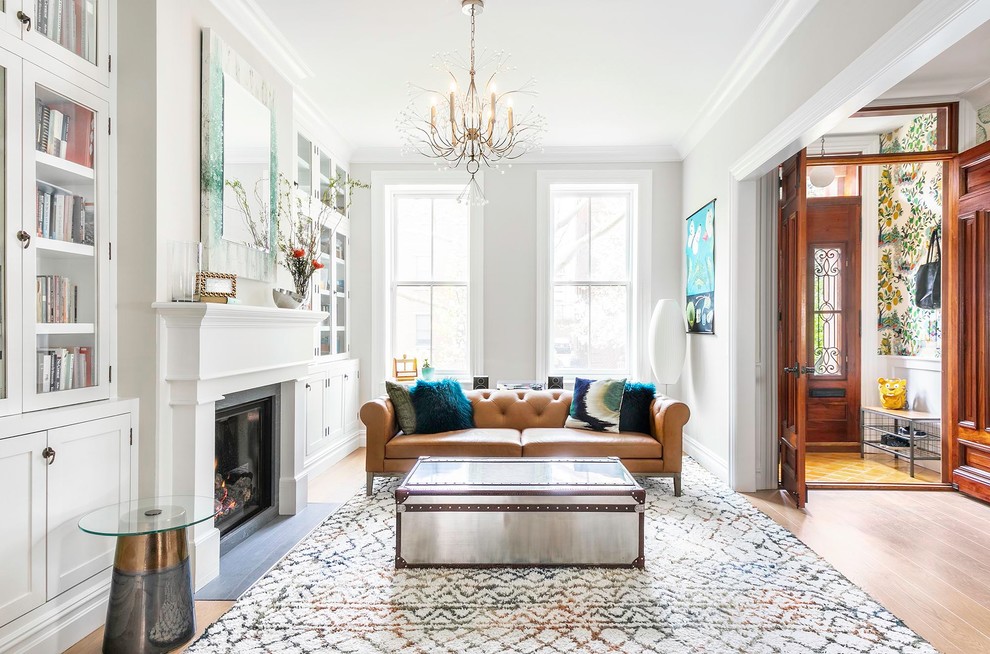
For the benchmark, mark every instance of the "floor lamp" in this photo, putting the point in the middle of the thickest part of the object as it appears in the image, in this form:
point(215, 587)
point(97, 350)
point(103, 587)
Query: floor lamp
point(667, 342)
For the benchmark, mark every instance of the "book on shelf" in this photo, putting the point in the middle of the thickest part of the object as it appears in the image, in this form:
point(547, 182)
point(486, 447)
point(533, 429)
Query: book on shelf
point(64, 217)
point(57, 299)
point(65, 130)
point(64, 368)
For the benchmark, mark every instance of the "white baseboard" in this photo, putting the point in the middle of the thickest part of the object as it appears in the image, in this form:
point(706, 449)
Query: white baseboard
point(60, 623)
point(706, 458)
point(319, 463)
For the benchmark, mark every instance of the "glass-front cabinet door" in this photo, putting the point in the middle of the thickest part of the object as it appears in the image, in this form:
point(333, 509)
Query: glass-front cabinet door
point(304, 165)
point(341, 292)
point(12, 238)
point(75, 32)
point(65, 326)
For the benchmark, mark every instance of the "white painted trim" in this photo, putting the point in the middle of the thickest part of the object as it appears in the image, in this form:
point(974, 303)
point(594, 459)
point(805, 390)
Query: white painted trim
point(251, 20)
point(383, 185)
point(929, 29)
point(782, 19)
point(706, 458)
point(316, 122)
point(911, 363)
point(766, 475)
point(640, 182)
point(632, 154)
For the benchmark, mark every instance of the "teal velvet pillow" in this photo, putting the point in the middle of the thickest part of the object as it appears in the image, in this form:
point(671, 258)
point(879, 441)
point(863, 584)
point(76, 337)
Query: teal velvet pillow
point(635, 412)
point(595, 404)
point(405, 414)
point(441, 406)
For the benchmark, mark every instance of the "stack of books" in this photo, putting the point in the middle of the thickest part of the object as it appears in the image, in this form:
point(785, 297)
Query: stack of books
point(57, 299)
point(63, 216)
point(51, 130)
point(62, 368)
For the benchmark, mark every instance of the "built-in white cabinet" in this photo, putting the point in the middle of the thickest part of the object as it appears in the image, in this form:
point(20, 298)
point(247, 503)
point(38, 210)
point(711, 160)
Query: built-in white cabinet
point(22, 549)
point(332, 423)
point(48, 480)
point(72, 32)
point(56, 299)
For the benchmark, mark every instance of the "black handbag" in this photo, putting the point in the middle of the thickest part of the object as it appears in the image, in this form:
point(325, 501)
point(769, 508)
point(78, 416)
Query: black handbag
point(928, 279)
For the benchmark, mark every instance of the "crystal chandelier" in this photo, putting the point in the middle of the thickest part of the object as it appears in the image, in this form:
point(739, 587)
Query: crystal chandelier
point(470, 127)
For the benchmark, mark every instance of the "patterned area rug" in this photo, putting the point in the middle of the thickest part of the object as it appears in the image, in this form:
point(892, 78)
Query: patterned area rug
point(720, 577)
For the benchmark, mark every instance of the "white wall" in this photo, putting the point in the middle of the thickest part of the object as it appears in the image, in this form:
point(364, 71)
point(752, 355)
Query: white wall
point(159, 179)
point(720, 381)
point(510, 311)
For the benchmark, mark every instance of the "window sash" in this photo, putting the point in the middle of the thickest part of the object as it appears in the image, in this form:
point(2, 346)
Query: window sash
point(406, 282)
point(555, 283)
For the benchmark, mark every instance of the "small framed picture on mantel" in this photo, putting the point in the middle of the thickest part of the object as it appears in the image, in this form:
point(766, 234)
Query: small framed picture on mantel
point(699, 251)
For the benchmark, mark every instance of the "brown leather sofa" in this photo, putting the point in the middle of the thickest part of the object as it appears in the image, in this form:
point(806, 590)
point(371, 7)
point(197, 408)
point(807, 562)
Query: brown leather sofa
point(526, 423)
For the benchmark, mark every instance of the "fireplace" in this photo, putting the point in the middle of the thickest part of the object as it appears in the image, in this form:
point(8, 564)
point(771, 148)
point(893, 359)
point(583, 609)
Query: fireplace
point(245, 465)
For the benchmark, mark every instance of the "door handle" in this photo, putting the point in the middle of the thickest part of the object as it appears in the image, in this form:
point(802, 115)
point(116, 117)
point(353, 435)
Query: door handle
point(793, 370)
point(49, 455)
point(25, 20)
point(24, 238)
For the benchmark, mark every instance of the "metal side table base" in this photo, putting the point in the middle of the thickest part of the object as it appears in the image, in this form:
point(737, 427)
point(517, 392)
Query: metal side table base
point(151, 601)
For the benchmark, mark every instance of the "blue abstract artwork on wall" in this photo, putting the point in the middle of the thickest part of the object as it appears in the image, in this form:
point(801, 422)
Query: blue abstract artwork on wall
point(699, 250)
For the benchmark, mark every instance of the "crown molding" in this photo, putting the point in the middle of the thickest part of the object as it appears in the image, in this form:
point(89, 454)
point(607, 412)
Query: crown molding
point(251, 20)
point(309, 115)
point(549, 155)
point(782, 19)
point(929, 29)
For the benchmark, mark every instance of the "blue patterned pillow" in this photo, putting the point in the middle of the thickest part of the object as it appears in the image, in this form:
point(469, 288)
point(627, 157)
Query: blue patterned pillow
point(635, 412)
point(596, 404)
point(441, 406)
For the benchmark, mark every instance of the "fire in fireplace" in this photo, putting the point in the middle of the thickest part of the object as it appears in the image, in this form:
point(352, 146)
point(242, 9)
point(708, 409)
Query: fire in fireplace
point(244, 460)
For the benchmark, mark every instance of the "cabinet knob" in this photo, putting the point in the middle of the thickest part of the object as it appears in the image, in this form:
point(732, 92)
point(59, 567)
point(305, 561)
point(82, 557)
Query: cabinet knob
point(25, 20)
point(49, 455)
point(24, 238)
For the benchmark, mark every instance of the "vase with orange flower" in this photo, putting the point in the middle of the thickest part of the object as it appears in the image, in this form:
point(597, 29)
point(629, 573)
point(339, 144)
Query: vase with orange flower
point(301, 220)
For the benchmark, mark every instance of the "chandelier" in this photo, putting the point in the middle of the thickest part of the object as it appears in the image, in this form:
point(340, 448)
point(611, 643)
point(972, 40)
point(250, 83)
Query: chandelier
point(470, 128)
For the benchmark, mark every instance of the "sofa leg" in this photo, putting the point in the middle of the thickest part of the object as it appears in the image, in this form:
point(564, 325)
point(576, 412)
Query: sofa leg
point(371, 484)
point(677, 484)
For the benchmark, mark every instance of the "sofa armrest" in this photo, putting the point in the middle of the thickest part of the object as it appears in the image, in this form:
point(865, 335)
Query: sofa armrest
point(668, 417)
point(378, 416)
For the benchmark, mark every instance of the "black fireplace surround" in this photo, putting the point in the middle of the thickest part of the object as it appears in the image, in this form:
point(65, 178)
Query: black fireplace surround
point(246, 463)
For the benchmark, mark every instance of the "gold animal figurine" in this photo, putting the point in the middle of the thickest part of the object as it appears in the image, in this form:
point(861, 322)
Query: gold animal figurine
point(893, 393)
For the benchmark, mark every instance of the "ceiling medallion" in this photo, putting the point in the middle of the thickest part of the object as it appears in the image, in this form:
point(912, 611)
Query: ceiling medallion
point(470, 128)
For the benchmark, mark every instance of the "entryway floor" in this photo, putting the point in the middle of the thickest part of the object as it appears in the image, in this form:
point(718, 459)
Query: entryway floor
point(878, 468)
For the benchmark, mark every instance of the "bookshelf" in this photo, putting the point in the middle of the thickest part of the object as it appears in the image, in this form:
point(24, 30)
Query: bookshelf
point(66, 263)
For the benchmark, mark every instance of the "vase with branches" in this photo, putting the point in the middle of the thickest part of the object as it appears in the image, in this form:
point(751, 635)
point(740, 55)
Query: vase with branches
point(300, 221)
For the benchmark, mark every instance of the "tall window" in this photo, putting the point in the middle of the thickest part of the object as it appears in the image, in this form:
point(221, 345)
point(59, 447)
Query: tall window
point(591, 259)
point(430, 280)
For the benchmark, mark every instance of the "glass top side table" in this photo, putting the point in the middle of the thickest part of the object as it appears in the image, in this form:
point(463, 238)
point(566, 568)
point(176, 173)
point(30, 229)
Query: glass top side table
point(151, 606)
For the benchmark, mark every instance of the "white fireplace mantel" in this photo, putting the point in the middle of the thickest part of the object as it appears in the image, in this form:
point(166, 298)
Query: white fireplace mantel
point(206, 351)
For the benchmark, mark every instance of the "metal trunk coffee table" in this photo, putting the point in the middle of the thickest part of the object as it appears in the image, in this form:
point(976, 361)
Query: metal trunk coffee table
point(151, 600)
point(519, 512)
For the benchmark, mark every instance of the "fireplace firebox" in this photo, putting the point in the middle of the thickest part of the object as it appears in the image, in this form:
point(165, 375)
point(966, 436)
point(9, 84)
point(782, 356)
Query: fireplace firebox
point(245, 484)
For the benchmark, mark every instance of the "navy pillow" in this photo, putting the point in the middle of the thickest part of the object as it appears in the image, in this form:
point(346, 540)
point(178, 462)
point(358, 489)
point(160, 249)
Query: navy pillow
point(441, 406)
point(635, 411)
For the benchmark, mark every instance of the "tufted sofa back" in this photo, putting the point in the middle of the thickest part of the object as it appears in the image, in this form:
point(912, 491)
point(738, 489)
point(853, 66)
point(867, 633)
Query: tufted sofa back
point(519, 409)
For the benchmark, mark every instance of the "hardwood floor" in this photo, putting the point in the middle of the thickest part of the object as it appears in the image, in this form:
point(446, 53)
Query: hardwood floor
point(896, 545)
point(874, 468)
point(924, 556)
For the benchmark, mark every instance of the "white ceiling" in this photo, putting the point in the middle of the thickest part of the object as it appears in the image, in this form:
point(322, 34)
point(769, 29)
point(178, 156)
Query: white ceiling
point(961, 70)
point(589, 57)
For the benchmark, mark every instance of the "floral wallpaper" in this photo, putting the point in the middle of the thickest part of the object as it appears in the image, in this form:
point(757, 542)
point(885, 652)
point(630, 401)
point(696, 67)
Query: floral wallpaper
point(982, 123)
point(910, 209)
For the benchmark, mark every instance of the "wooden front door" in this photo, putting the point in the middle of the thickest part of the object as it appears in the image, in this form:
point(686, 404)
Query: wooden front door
point(834, 315)
point(966, 323)
point(792, 332)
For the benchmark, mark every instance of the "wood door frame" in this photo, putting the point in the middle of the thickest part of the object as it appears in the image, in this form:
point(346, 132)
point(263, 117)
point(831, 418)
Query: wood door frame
point(959, 381)
point(950, 289)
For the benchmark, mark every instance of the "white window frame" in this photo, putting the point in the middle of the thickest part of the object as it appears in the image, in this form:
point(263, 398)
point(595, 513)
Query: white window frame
point(639, 184)
point(385, 186)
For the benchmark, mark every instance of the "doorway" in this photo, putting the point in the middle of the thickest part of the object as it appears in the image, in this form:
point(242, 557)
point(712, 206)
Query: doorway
point(858, 221)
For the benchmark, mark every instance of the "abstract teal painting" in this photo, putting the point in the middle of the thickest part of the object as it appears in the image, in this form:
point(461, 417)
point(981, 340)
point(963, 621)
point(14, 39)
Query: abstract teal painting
point(699, 251)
